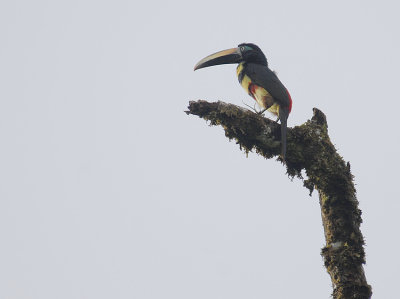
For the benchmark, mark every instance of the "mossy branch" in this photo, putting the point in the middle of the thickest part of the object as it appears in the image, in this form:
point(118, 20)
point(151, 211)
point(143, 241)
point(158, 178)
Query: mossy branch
point(310, 149)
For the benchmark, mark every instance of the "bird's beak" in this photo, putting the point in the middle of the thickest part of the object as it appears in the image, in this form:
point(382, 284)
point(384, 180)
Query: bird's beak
point(222, 57)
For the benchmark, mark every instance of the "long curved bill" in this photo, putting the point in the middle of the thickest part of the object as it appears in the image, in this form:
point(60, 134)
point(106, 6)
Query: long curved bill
point(222, 57)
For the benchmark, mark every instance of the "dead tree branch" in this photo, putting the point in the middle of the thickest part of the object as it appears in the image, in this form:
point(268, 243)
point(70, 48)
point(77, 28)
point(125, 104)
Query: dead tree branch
point(310, 149)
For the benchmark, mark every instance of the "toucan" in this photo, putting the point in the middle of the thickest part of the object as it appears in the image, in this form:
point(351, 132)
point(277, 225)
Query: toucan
point(258, 80)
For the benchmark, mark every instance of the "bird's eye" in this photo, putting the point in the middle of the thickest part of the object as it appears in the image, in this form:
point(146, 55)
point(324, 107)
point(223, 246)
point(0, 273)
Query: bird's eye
point(242, 49)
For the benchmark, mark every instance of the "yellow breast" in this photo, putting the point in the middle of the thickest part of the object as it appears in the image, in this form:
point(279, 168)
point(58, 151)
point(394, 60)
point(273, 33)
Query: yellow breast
point(262, 97)
point(246, 81)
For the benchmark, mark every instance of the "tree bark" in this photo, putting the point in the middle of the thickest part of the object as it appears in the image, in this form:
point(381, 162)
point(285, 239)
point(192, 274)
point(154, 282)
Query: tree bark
point(308, 148)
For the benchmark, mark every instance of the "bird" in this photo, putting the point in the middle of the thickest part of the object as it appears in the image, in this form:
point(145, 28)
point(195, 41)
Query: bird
point(258, 80)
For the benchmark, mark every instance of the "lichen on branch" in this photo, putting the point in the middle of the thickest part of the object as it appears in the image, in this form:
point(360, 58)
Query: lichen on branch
point(308, 148)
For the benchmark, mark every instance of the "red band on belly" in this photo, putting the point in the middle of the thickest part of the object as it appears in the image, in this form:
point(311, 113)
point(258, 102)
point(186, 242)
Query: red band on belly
point(252, 90)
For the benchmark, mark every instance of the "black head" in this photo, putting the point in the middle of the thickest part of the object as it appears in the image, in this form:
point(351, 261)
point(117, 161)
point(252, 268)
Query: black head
point(252, 53)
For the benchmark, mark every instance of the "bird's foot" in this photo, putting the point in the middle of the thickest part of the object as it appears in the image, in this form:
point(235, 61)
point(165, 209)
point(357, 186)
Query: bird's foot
point(261, 111)
point(252, 108)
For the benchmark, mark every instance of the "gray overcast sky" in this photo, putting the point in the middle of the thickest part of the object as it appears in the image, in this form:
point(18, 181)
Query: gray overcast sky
point(108, 190)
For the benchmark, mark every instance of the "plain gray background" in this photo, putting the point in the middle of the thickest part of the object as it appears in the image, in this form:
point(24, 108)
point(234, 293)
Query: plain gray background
point(109, 190)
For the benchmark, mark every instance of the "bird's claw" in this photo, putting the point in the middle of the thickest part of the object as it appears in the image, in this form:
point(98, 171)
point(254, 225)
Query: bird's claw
point(261, 111)
point(252, 108)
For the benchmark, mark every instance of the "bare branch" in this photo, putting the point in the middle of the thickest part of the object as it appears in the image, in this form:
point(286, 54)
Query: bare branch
point(308, 148)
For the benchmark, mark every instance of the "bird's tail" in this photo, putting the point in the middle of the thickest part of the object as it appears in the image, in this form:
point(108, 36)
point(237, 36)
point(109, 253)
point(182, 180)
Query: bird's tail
point(283, 116)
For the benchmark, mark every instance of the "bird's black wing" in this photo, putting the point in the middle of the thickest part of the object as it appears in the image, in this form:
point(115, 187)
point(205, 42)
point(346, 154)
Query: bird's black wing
point(262, 76)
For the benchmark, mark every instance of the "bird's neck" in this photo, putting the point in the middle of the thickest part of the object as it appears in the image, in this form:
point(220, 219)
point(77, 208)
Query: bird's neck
point(239, 71)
